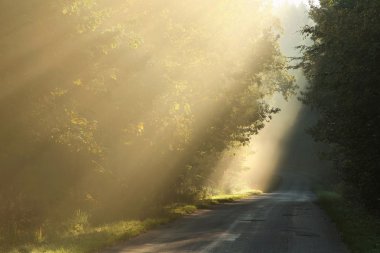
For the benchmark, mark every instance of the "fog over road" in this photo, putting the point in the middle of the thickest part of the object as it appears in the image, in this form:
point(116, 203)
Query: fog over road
point(285, 221)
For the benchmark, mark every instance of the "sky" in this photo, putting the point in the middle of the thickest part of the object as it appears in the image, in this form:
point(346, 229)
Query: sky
point(278, 3)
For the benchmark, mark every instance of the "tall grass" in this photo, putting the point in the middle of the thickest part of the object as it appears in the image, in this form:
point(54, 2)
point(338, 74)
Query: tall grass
point(80, 237)
point(360, 230)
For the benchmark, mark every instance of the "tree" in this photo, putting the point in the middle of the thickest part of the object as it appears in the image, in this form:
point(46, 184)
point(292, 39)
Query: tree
point(342, 67)
point(113, 109)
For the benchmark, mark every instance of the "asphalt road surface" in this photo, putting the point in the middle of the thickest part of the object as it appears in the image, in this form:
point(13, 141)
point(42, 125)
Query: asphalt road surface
point(286, 221)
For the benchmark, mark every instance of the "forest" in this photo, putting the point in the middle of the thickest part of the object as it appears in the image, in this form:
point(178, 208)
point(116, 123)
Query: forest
point(114, 110)
point(342, 66)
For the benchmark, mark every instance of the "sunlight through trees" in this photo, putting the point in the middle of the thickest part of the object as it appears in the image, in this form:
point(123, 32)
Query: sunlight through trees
point(112, 109)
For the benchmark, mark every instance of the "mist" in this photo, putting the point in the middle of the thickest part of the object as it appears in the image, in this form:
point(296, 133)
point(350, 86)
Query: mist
point(283, 143)
point(114, 109)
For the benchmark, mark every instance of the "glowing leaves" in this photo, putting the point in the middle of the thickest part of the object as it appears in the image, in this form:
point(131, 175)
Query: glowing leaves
point(135, 129)
point(102, 78)
point(77, 82)
point(113, 76)
point(176, 107)
point(134, 41)
point(140, 128)
point(58, 92)
point(77, 133)
point(96, 85)
point(79, 121)
point(279, 81)
point(180, 95)
point(114, 37)
point(91, 17)
point(181, 108)
point(65, 11)
point(92, 21)
point(187, 108)
point(118, 35)
point(175, 119)
point(189, 78)
point(76, 6)
point(132, 132)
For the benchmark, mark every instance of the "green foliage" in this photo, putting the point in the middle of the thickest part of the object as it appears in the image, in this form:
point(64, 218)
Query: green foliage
point(342, 67)
point(176, 210)
point(78, 223)
point(116, 108)
point(92, 239)
point(360, 230)
point(82, 237)
point(236, 196)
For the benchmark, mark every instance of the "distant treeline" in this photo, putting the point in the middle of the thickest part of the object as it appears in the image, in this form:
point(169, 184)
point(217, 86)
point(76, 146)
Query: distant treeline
point(111, 109)
point(343, 67)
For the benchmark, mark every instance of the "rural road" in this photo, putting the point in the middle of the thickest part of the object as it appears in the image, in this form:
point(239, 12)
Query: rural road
point(286, 221)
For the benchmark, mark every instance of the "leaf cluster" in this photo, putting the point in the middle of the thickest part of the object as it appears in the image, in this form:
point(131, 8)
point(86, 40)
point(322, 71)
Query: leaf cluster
point(342, 66)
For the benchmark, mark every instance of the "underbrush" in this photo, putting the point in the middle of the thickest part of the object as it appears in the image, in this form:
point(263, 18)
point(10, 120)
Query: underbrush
point(81, 237)
point(360, 230)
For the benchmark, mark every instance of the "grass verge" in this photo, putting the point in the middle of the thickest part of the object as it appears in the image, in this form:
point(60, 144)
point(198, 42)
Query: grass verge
point(359, 229)
point(93, 239)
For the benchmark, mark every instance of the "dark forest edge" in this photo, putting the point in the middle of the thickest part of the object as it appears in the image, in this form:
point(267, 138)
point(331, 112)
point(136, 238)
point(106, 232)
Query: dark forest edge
point(342, 67)
point(359, 229)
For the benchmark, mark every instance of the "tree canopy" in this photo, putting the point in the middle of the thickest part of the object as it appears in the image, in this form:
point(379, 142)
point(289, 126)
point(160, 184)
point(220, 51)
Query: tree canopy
point(342, 66)
point(114, 107)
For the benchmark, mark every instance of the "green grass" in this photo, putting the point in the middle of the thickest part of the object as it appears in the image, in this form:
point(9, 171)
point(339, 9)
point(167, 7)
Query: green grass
point(93, 239)
point(225, 198)
point(360, 230)
point(222, 198)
